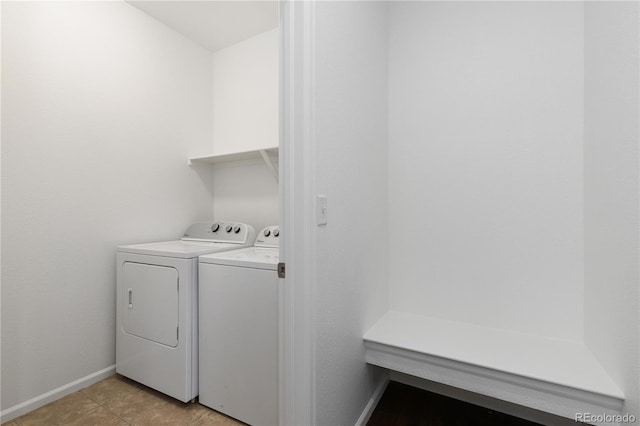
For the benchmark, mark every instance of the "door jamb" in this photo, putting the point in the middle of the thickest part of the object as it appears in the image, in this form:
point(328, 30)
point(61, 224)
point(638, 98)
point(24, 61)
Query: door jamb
point(297, 186)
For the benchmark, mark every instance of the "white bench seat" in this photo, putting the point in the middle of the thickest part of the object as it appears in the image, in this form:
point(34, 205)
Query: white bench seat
point(551, 375)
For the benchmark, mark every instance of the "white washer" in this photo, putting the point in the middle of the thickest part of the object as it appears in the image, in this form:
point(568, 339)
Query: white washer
point(239, 331)
point(157, 306)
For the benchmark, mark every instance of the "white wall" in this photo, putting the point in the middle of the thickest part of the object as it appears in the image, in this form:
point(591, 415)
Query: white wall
point(246, 194)
point(245, 117)
point(485, 163)
point(101, 106)
point(245, 92)
point(611, 191)
point(350, 134)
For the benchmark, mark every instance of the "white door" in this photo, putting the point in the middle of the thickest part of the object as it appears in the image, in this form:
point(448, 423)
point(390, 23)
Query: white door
point(150, 302)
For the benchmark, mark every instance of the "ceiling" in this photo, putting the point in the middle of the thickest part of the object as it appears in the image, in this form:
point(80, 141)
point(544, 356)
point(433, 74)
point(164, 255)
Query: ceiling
point(214, 24)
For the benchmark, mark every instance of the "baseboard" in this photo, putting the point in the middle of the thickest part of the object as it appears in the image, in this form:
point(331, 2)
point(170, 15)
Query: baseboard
point(373, 401)
point(57, 393)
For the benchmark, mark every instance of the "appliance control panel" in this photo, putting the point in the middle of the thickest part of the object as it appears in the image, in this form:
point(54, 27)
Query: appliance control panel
point(220, 232)
point(268, 237)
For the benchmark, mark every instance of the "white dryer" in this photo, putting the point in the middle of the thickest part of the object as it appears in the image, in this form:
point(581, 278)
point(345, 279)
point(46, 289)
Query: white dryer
point(239, 331)
point(157, 306)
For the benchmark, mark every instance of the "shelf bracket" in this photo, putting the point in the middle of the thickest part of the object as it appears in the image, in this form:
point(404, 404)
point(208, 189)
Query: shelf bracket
point(269, 163)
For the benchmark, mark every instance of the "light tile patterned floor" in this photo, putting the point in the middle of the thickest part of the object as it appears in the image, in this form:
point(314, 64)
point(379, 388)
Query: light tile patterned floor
point(118, 401)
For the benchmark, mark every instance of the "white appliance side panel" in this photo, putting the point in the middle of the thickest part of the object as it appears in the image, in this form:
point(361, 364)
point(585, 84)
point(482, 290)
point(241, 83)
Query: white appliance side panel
point(239, 342)
point(150, 293)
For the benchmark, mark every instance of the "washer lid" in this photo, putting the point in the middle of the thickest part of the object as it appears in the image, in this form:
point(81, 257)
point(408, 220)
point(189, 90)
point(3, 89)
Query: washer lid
point(180, 248)
point(250, 257)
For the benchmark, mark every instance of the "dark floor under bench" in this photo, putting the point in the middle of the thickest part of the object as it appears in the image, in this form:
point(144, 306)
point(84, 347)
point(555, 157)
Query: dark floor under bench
point(403, 405)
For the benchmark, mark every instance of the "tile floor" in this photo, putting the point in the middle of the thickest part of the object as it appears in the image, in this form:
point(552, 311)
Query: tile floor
point(118, 401)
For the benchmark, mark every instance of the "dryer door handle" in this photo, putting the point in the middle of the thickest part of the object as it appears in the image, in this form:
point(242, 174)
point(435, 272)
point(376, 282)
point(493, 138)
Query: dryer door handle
point(130, 298)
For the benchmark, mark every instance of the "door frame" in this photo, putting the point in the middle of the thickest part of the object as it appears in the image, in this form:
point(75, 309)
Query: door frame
point(297, 186)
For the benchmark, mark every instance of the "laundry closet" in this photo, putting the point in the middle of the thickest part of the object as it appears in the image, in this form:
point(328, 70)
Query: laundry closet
point(139, 119)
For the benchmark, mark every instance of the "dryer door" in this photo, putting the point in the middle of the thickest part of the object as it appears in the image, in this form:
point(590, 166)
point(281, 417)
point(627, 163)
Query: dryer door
point(150, 302)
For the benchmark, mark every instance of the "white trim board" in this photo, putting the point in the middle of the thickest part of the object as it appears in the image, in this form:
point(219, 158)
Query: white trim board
point(549, 375)
point(297, 182)
point(494, 404)
point(373, 401)
point(55, 394)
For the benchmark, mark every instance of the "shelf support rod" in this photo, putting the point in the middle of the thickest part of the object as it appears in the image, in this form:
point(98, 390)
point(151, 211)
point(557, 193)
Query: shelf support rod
point(269, 163)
